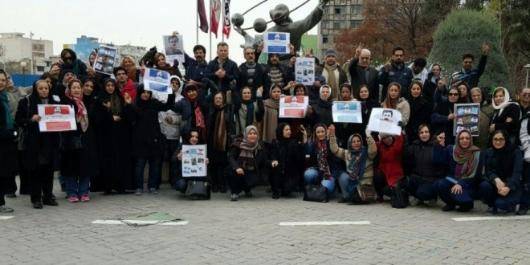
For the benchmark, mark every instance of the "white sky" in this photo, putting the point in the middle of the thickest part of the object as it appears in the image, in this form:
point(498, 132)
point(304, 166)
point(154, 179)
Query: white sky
point(135, 22)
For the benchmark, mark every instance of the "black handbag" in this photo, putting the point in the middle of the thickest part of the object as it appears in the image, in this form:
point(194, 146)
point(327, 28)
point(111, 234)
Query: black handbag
point(399, 198)
point(198, 190)
point(316, 193)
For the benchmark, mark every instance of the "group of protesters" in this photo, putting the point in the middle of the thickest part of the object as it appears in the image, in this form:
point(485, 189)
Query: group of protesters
point(124, 128)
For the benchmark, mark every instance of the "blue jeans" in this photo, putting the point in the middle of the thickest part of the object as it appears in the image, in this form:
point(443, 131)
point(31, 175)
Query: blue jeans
point(489, 195)
point(154, 172)
point(347, 185)
point(312, 176)
point(466, 198)
point(77, 186)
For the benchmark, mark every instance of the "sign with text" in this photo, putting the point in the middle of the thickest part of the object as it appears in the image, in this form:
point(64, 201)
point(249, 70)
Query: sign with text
point(293, 106)
point(56, 118)
point(466, 118)
point(105, 59)
point(194, 161)
point(347, 112)
point(385, 121)
point(277, 42)
point(305, 71)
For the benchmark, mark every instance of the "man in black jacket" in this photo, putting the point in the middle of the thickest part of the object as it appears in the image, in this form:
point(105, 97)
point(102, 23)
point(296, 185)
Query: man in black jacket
point(362, 73)
point(396, 71)
point(222, 71)
point(251, 73)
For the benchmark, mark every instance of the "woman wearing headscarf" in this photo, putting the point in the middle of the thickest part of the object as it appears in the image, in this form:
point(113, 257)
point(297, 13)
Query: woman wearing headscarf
point(367, 104)
point(443, 116)
point(247, 158)
point(194, 110)
point(420, 110)
point(506, 114)
point(148, 140)
point(421, 167)
point(220, 131)
point(503, 166)
point(78, 155)
point(321, 166)
point(321, 110)
point(8, 147)
point(345, 130)
point(113, 134)
point(459, 187)
point(486, 112)
point(286, 156)
point(40, 150)
point(393, 100)
point(247, 111)
point(359, 171)
point(271, 107)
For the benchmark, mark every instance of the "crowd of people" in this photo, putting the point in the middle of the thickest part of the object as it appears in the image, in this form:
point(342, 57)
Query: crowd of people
point(123, 128)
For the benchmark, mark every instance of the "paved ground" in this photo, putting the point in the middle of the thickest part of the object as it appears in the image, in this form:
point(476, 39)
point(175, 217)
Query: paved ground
point(248, 232)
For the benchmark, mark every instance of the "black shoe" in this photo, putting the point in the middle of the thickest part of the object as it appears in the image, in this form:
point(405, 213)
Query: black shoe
point(465, 208)
point(275, 195)
point(37, 205)
point(448, 207)
point(50, 202)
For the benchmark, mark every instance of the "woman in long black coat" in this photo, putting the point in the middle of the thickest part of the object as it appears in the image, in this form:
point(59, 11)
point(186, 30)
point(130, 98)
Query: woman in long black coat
point(420, 111)
point(113, 134)
point(41, 148)
point(8, 148)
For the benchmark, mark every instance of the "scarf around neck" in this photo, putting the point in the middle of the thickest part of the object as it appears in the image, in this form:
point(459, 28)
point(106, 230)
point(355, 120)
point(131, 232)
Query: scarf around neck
point(466, 161)
point(322, 158)
point(332, 79)
point(81, 115)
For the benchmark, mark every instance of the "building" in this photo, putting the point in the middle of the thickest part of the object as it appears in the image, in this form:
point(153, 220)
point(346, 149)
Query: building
point(338, 15)
point(85, 45)
point(35, 53)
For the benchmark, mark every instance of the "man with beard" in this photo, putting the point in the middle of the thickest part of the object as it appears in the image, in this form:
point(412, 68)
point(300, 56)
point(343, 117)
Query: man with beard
point(251, 74)
point(196, 68)
point(395, 71)
point(276, 73)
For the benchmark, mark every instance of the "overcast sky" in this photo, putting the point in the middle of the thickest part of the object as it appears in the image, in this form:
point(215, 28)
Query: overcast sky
point(132, 22)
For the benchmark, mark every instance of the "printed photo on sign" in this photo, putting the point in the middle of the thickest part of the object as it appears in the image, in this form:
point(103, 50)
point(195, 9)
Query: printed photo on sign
point(277, 42)
point(105, 59)
point(293, 106)
point(194, 161)
point(385, 121)
point(56, 118)
point(305, 71)
point(174, 48)
point(157, 81)
point(347, 112)
point(466, 118)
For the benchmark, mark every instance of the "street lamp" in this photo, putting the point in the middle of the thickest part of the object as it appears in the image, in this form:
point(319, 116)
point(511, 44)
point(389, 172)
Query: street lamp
point(527, 67)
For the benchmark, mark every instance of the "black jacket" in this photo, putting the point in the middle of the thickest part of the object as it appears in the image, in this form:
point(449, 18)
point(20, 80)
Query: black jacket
point(420, 113)
point(231, 77)
point(254, 82)
point(359, 76)
point(420, 161)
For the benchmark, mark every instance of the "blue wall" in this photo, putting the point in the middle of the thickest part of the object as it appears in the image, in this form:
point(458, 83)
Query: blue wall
point(21, 80)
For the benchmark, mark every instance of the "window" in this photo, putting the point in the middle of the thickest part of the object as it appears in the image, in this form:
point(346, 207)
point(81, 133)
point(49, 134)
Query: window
point(357, 10)
point(338, 10)
point(336, 25)
point(324, 39)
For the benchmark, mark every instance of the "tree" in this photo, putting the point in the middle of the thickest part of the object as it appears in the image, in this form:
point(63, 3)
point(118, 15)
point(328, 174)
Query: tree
point(464, 31)
point(390, 23)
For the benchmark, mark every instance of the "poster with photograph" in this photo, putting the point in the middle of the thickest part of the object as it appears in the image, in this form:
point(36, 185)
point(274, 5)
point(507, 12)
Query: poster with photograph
point(157, 81)
point(174, 48)
point(347, 112)
point(277, 42)
point(105, 59)
point(194, 161)
point(385, 121)
point(56, 118)
point(466, 117)
point(293, 106)
point(305, 71)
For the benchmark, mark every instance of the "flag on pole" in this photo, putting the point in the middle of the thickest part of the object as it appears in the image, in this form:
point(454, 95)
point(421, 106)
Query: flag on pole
point(215, 16)
point(226, 14)
point(202, 16)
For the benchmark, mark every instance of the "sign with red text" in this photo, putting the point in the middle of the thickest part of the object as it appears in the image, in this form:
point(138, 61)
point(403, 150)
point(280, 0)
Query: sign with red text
point(293, 106)
point(56, 118)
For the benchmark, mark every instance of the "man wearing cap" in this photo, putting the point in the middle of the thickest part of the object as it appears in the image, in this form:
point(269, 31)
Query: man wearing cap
point(333, 74)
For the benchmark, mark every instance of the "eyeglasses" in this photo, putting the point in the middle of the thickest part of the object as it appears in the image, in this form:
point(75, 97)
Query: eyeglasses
point(453, 94)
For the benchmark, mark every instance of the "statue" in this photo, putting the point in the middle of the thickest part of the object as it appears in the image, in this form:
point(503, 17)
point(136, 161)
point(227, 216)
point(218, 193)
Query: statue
point(283, 23)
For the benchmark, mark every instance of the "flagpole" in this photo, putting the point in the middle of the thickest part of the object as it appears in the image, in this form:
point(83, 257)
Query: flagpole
point(197, 22)
point(210, 35)
point(223, 20)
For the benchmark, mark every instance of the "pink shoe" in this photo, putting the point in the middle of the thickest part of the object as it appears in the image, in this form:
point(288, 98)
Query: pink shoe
point(85, 198)
point(73, 199)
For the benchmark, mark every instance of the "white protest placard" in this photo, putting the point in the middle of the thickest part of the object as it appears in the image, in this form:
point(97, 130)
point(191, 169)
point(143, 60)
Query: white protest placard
point(466, 118)
point(277, 42)
point(174, 48)
point(305, 71)
point(105, 59)
point(347, 112)
point(385, 121)
point(293, 106)
point(56, 118)
point(194, 161)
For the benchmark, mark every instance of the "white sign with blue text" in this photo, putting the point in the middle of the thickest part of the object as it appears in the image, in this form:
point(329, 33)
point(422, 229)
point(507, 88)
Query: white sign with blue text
point(277, 42)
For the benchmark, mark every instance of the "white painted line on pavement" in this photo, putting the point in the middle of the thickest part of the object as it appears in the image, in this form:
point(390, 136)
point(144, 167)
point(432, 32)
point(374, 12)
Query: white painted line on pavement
point(324, 223)
point(490, 218)
point(6, 217)
point(137, 222)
